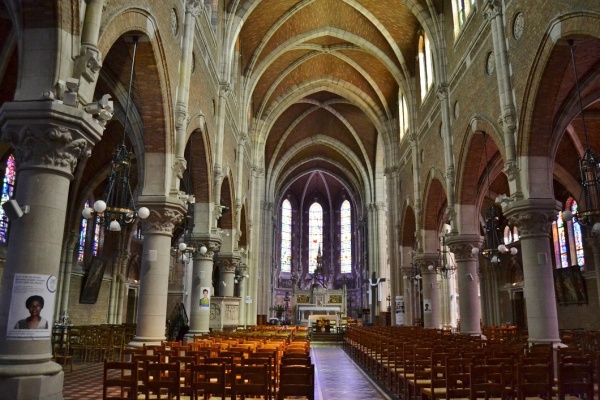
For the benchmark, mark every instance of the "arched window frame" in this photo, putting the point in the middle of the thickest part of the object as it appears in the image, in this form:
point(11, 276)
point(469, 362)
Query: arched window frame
point(403, 116)
point(90, 236)
point(345, 238)
point(8, 191)
point(425, 65)
point(461, 10)
point(286, 236)
point(568, 239)
point(315, 234)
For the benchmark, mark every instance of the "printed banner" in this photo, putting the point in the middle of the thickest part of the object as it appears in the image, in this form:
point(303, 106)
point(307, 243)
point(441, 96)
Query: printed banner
point(31, 307)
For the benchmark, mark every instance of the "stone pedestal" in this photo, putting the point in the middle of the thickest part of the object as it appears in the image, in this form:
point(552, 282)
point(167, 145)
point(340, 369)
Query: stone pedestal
point(224, 313)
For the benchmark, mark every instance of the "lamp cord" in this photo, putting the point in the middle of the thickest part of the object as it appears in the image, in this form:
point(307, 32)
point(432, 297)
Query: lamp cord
point(135, 42)
point(571, 43)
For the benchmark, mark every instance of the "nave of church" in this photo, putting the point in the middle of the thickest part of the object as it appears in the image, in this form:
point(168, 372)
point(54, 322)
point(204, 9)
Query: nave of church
point(187, 167)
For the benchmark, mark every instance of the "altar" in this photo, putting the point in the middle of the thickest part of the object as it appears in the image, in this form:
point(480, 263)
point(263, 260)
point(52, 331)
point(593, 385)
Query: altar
point(308, 313)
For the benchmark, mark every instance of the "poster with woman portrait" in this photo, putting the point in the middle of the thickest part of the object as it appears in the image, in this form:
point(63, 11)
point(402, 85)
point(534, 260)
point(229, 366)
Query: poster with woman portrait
point(205, 297)
point(31, 307)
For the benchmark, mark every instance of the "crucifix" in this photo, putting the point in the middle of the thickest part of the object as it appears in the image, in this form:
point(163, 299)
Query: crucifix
point(374, 294)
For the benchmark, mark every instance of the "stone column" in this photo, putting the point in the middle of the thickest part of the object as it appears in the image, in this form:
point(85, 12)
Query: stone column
point(406, 291)
point(534, 218)
point(119, 265)
point(489, 295)
point(243, 269)
point(466, 269)
point(431, 292)
point(227, 268)
point(202, 278)
point(65, 282)
point(154, 282)
point(48, 139)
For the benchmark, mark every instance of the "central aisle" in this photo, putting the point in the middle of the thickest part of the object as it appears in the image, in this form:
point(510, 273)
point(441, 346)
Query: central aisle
point(337, 377)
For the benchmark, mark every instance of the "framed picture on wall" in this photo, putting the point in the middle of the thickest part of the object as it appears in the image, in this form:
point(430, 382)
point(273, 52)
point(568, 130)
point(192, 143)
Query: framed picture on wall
point(569, 286)
point(92, 281)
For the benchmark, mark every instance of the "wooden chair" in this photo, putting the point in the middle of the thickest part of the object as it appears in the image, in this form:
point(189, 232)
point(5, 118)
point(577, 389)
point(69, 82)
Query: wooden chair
point(270, 362)
point(162, 381)
point(487, 381)
point(250, 381)
point(458, 378)
point(61, 349)
point(209, 380)
point(119, 381)
point(575, 379)
point(534, 380)
point(296, 381)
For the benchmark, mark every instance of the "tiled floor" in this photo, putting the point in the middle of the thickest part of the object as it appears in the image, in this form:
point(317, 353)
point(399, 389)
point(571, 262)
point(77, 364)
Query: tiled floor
point(337, 378)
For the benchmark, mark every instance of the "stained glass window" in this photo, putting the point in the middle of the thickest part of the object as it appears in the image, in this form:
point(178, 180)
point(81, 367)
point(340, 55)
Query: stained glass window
point(425, 65)
point(568, 241)
point(577, 239)
point(8, 187)
point(315, 234)
point(286, 236)
point(346, 238)
point(83, 234)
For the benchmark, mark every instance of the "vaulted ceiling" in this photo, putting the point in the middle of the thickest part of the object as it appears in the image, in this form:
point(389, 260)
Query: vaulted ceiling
point(323, 81)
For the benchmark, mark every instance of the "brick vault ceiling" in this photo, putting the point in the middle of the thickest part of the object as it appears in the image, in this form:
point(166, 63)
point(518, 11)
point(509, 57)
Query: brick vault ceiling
point(323, 74)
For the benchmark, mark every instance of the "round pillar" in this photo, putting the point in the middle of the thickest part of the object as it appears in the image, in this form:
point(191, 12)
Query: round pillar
point(468, 282)
point(201, 279)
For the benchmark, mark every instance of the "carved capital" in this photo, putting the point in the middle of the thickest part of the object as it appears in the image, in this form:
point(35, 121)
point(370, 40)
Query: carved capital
point(194, 7)
point(257, 172)
point(181, 115)
point(228, 266)
point(224, 89)
point(442, 92)
point(492, 9)
point(49, 146)
point(462, 246)
point(162, 221)
point(211, 248)
point(533, 223)
point(88, 63)
point(512, 170)
point(179, 166)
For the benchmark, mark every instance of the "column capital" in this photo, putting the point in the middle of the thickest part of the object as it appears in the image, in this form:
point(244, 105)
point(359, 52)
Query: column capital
point(492, 9)
point(166, 214)
point(534, 217)
point(48, 135)
point(462, 246)
point(228, 265)
point(194, 6)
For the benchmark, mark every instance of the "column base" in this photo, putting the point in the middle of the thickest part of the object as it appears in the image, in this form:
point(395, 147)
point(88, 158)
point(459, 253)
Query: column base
point(42, 387)
point(139, 342)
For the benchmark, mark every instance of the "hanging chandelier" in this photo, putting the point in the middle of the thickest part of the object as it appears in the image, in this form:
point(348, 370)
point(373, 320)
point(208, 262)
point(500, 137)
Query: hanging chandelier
point(415, 274)
point(443, 266)
point(117, 206)
point(493, 248)
point(184, 249)
point(589, 170)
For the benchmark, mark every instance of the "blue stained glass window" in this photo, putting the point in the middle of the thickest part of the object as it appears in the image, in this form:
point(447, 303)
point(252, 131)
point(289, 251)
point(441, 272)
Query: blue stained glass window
point(315, 234)
point(577, 236)
point(83, 236)
point(568, 239)
point(286, 236)
point(346, 238)
point(562, 242)
point(8, 187)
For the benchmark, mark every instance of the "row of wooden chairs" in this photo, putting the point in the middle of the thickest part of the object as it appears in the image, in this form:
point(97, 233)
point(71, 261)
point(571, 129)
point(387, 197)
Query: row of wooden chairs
point(277, 358)
point(418, 363)
point(176, 380)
